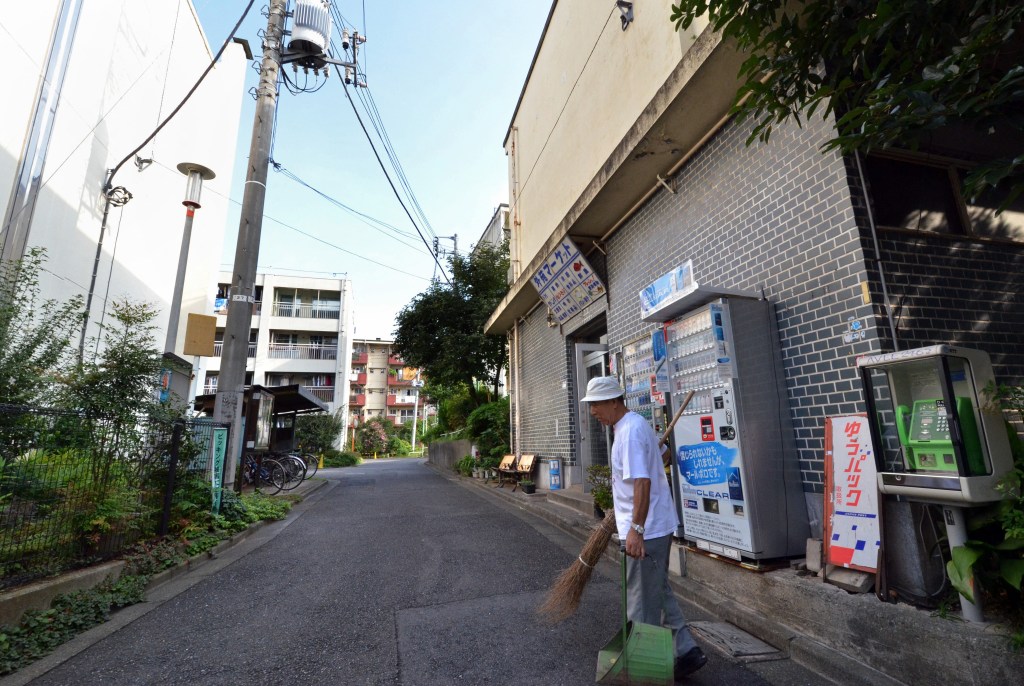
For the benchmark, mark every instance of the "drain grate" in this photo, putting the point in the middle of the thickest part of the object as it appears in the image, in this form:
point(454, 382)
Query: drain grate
point(736, 642)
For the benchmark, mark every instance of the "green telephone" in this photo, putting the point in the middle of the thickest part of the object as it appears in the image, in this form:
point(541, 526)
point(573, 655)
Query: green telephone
point(927, 441)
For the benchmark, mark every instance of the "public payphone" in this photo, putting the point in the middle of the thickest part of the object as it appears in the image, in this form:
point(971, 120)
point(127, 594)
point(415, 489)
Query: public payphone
point(938, 439)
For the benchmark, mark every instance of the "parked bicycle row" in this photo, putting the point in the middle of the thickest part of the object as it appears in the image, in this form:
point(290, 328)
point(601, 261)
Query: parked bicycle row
point(271, 473)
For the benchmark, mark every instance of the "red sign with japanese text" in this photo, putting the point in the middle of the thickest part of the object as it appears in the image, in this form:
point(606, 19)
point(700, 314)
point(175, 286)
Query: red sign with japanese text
point(852, 532)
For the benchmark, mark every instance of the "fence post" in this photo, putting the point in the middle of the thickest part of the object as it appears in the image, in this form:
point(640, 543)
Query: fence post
point(172, 469)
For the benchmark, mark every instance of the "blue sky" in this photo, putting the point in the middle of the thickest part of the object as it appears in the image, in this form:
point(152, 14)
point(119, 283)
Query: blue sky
point(445, 78)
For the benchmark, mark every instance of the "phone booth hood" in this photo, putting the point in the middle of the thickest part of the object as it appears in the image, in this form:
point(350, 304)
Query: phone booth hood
point(938, 437)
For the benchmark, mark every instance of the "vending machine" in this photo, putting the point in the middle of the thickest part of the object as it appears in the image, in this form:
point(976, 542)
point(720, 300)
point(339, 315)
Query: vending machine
point(641, 367)
point(738, 484)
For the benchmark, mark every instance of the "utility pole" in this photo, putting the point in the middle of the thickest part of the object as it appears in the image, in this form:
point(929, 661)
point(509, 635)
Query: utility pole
point(231, 384)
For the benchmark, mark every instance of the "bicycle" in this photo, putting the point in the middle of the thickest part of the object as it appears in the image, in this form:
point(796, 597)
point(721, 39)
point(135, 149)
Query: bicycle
point(264, 473)
point(294, 469)
point(312, 463)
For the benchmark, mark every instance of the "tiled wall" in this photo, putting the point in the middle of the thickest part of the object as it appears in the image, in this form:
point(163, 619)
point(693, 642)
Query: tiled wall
point(778, 220)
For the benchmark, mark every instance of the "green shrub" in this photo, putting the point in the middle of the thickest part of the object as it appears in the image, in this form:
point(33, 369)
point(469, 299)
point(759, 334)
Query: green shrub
point(334, 458)
point(488, 427)
point(466, 465)
point(399, 447)
point(992, 560)
point(599, 476)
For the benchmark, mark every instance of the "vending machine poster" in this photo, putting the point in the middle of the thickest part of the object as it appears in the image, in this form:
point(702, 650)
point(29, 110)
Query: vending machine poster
point(852, 534)
point(712, 492)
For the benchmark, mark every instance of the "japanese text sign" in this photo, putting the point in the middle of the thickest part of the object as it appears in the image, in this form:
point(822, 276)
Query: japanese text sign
point(852, 534)
point(566, 282)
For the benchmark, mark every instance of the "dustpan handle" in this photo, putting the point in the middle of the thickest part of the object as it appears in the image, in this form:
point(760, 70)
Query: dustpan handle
point(625, 616)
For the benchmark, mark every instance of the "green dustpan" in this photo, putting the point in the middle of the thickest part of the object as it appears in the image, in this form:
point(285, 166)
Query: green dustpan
point(639, 654)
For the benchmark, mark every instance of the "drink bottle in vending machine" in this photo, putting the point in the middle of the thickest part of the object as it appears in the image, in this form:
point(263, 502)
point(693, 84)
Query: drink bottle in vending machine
point(737, 480)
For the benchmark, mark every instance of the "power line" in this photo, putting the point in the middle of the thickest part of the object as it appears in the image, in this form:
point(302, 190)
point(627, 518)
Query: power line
point(195, 87)
point(321, 240)
point(367, 219)
point(390, 182)
point(373, 114)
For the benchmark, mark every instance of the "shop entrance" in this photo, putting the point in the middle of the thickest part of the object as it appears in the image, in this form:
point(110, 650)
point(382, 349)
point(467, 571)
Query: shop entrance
point(592, 439)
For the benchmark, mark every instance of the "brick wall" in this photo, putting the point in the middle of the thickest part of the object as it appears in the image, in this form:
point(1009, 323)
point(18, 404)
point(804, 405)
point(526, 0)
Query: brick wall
point(778, 219)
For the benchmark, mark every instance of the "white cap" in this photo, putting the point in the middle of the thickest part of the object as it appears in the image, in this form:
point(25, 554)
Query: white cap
point(602, 388)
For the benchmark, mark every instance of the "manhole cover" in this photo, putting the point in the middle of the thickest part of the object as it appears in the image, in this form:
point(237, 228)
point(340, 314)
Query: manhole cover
point(736, 642)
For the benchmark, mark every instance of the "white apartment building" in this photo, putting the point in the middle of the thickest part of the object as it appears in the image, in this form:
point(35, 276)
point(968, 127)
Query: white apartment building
point(87, 83)
point(301, 334)
point(383, 386)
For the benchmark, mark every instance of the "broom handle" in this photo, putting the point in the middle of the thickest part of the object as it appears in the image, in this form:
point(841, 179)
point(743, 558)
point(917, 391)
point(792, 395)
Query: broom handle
point(679, 413)
point(668, 429)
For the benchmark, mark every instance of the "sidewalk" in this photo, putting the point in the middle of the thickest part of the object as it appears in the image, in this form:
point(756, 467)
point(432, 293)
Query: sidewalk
point(848, 639)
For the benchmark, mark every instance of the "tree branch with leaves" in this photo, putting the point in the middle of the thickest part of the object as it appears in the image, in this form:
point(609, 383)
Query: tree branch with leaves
point(442, 330)
point(892, 72)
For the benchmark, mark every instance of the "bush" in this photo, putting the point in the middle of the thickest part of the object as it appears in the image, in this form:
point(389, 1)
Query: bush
point(317, 433)
point(599, 476)
point(488, 426)
point(399, 447)
point(466, 465)
point(335, 458)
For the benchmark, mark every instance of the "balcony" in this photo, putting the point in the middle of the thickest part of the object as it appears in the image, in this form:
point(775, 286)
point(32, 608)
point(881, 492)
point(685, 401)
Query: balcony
point(302, 351)
point(359, 379)
point(218, 349)
point(401, 400)
point(359, 358)
point(357, 400)
point(306, 311)
point(209, 389)
point(394, 361)
point(221, 307)
point(325, 393)
point(398, 381)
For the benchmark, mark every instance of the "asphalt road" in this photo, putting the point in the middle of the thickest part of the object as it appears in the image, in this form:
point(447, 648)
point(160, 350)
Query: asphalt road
point(389, 574)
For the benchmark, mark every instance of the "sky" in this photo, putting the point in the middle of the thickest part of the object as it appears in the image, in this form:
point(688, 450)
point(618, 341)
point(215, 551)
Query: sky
point(445, 79)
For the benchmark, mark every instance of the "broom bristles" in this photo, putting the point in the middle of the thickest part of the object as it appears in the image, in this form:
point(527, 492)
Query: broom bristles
point(564, 597)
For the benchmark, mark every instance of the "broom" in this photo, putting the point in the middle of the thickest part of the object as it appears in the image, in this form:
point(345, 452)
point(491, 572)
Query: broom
point(564, 596)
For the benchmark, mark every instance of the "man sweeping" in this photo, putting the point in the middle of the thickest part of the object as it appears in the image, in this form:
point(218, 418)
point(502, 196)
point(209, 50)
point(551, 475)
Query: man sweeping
point(645, 518)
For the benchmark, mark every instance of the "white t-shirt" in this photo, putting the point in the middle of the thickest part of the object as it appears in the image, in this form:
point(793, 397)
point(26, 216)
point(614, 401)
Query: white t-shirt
point(635, 455)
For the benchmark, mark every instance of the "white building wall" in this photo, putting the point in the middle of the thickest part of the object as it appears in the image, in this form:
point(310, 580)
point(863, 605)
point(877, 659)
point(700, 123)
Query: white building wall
point(130, 65)
point(297, 369)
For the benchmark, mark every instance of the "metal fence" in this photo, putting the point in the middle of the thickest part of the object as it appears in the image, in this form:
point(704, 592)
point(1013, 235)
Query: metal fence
point(75, 489)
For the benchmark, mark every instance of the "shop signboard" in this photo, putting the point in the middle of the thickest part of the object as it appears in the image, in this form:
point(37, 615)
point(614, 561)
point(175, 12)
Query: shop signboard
point(852, 534)
point(566, 282)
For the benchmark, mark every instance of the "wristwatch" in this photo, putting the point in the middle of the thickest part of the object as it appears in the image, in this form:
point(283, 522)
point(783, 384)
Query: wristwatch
point(639, 528)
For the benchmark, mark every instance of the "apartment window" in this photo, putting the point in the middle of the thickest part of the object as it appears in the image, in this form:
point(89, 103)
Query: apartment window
point(926, 195)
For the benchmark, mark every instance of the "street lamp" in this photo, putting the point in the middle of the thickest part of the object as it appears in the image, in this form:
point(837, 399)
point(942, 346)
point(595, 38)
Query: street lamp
point(196, 174)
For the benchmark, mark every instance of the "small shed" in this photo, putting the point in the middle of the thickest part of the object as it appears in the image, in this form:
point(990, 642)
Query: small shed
point(268, 414)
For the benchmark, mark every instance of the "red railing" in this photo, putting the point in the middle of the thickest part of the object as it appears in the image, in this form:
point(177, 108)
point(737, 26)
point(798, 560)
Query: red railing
point(359, 358)
point(359, 379)
point(401, 400)
point(355, 400)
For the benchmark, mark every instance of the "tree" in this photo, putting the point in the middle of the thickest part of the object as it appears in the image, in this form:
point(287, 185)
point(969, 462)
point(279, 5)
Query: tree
point(442, 330)
point(317, 433)
point(891, 72)
point(373, 437)
point(35, 336)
